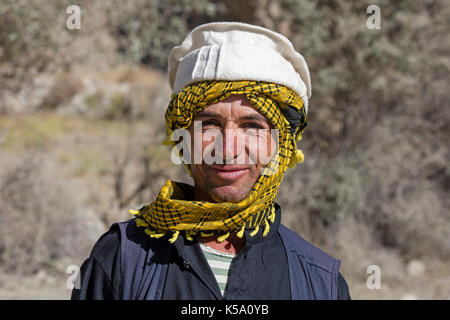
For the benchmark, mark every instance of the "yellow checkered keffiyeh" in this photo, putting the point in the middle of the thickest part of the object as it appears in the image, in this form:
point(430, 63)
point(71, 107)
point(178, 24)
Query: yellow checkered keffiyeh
point(174, 211)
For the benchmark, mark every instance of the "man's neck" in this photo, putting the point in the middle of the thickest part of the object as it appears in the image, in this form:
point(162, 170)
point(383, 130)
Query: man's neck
point(233, 244)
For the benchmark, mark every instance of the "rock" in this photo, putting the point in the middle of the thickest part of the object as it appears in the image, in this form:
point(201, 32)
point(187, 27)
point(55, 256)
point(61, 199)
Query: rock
point(41, 276)
point(415, 268)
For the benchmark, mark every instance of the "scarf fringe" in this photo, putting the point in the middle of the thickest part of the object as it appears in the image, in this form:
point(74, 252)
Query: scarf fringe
point(190, 233)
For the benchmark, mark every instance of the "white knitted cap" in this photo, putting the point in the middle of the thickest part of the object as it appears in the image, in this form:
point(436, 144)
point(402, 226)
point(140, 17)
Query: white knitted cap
point(238, 51)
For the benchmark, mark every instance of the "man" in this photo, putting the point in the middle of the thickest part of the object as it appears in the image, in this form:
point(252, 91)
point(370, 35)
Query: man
point(234, 85)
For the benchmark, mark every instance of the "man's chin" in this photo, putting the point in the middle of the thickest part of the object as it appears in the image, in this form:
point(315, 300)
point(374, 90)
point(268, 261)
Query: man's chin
point(227, 194)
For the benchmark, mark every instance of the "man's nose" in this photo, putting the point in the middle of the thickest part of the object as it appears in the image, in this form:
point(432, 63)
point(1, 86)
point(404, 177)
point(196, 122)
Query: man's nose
point(233, 144)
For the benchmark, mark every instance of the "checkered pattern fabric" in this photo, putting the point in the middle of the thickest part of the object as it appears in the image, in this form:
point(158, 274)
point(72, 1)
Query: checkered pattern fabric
point(174, 211)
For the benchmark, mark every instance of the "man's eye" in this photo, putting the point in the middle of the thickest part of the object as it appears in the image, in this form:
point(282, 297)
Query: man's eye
point(252, 125)
point(210, 123)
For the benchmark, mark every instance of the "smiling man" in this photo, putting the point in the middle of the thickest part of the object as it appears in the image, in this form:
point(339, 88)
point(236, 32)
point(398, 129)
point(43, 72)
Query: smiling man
point(241, 93)
point(240, 134)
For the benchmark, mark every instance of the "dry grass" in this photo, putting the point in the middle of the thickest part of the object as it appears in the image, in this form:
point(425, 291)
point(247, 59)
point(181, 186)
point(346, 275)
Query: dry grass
point(76, 161)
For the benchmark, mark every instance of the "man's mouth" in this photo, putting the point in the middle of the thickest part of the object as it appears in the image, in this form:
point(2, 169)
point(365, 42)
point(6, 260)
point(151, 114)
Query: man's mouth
point(229, 172)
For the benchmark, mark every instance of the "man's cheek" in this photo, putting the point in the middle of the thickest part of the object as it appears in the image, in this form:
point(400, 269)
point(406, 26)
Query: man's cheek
point(197, 145)
point(261, 149)
point(252, 156)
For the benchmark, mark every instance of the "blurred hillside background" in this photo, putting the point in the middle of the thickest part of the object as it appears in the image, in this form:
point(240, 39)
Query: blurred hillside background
point(81, 126)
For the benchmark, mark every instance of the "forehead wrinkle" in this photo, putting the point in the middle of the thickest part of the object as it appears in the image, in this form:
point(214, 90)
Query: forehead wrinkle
point(222, 109)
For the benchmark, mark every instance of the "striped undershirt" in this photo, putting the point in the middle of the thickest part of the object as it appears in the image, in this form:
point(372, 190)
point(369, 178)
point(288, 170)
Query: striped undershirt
point(220, 264)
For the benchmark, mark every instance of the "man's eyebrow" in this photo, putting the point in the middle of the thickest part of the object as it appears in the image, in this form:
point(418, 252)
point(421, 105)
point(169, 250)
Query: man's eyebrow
point(208, 114)
point(256, 116)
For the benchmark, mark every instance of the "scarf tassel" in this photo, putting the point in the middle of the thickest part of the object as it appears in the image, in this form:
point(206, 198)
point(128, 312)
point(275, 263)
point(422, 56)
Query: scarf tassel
point(174, 236)
point(188, 233)
point(297, 155)
point(223, 237)
point(254, 232)
point(154, 234)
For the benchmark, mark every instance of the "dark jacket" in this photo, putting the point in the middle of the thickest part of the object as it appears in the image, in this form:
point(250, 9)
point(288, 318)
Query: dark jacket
point(126, 263)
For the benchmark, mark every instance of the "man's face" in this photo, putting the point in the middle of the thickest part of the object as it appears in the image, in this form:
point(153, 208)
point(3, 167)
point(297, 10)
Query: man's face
point(237, 134)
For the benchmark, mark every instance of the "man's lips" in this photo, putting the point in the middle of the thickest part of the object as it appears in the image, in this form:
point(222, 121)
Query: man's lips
point(229, 172)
